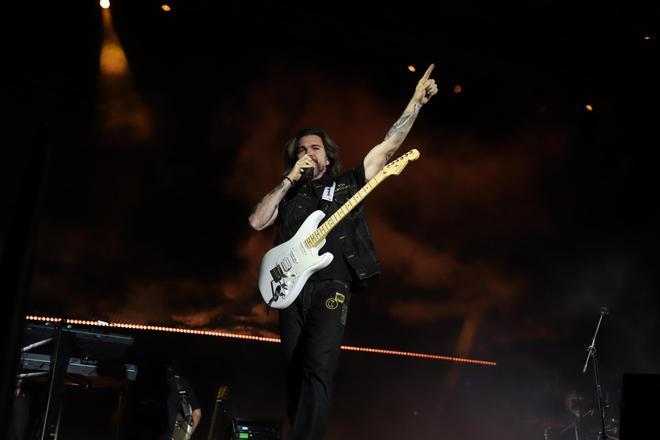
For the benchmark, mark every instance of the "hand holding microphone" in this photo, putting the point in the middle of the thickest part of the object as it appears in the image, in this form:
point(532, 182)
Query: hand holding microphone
point(303, 169)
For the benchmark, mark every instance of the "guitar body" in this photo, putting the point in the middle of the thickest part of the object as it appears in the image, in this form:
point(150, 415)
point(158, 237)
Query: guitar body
point(286, 268)
point(182, 429)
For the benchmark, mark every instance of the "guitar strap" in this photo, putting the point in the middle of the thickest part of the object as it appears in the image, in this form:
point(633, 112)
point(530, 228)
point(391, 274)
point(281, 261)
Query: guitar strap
point(186, 409)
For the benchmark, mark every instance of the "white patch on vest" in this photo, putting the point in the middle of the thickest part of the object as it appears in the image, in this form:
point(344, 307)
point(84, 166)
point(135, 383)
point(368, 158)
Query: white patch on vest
point(329, 192)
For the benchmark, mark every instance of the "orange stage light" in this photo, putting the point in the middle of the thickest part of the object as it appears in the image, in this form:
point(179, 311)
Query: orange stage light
point(221, 334)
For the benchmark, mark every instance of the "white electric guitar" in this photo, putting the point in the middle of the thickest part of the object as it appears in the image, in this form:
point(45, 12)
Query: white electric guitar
point(286, 268)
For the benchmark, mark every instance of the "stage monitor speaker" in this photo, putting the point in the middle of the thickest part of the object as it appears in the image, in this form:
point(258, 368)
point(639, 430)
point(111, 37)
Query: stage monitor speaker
point(640, 406)
point(245, 429)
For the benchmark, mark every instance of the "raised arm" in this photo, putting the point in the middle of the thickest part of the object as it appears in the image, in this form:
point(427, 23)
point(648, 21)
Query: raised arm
point(377, 158)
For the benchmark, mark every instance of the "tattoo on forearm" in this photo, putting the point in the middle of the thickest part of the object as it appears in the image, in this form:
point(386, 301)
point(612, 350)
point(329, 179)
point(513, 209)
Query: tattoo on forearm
point(272, 191)
point(277, 188)
point(398, 125)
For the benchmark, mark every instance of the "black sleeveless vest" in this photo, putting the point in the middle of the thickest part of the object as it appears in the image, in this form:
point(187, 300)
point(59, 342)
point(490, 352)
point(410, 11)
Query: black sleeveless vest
point(353, 231)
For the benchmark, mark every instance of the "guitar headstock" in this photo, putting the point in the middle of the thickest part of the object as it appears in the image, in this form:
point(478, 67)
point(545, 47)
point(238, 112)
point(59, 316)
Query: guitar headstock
point(223, 392)
point(397, 165)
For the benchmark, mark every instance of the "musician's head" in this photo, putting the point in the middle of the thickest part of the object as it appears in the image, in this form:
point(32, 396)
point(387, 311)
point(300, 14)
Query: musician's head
point(315, 143)
point(173, 365)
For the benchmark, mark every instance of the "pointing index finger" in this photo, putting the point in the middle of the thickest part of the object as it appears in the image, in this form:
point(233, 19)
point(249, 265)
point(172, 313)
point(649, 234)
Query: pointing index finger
point(427, 74)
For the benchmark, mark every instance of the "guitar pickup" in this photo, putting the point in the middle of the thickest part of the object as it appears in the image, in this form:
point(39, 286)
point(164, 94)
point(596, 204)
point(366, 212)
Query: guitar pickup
point(293, 257)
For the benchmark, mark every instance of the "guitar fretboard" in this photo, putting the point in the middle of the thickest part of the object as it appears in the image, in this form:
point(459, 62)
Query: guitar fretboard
point(322, 231)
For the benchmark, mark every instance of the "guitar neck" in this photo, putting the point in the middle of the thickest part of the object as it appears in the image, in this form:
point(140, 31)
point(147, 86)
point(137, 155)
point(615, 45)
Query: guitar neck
point(328, 225)
point(213, 418)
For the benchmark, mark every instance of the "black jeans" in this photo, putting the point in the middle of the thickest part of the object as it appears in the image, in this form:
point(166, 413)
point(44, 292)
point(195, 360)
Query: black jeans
point(311, 329)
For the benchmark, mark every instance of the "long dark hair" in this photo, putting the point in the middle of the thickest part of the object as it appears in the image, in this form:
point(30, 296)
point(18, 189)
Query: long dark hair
point(331, 150)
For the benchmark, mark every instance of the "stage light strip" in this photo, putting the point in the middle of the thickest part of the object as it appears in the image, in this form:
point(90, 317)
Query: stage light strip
point(99, 323)
point(156, 328)
point(418, 355)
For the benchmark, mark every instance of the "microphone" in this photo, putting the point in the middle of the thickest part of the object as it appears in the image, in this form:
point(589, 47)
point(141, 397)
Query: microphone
point(308, 173)
point(604, 311)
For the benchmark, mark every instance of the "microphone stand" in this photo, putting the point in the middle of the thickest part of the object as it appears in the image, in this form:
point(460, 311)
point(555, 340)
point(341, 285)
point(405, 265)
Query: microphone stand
point(591, 354)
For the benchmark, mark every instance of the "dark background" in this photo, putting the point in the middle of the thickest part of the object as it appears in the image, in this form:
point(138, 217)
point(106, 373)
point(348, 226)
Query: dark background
point(525, 215)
